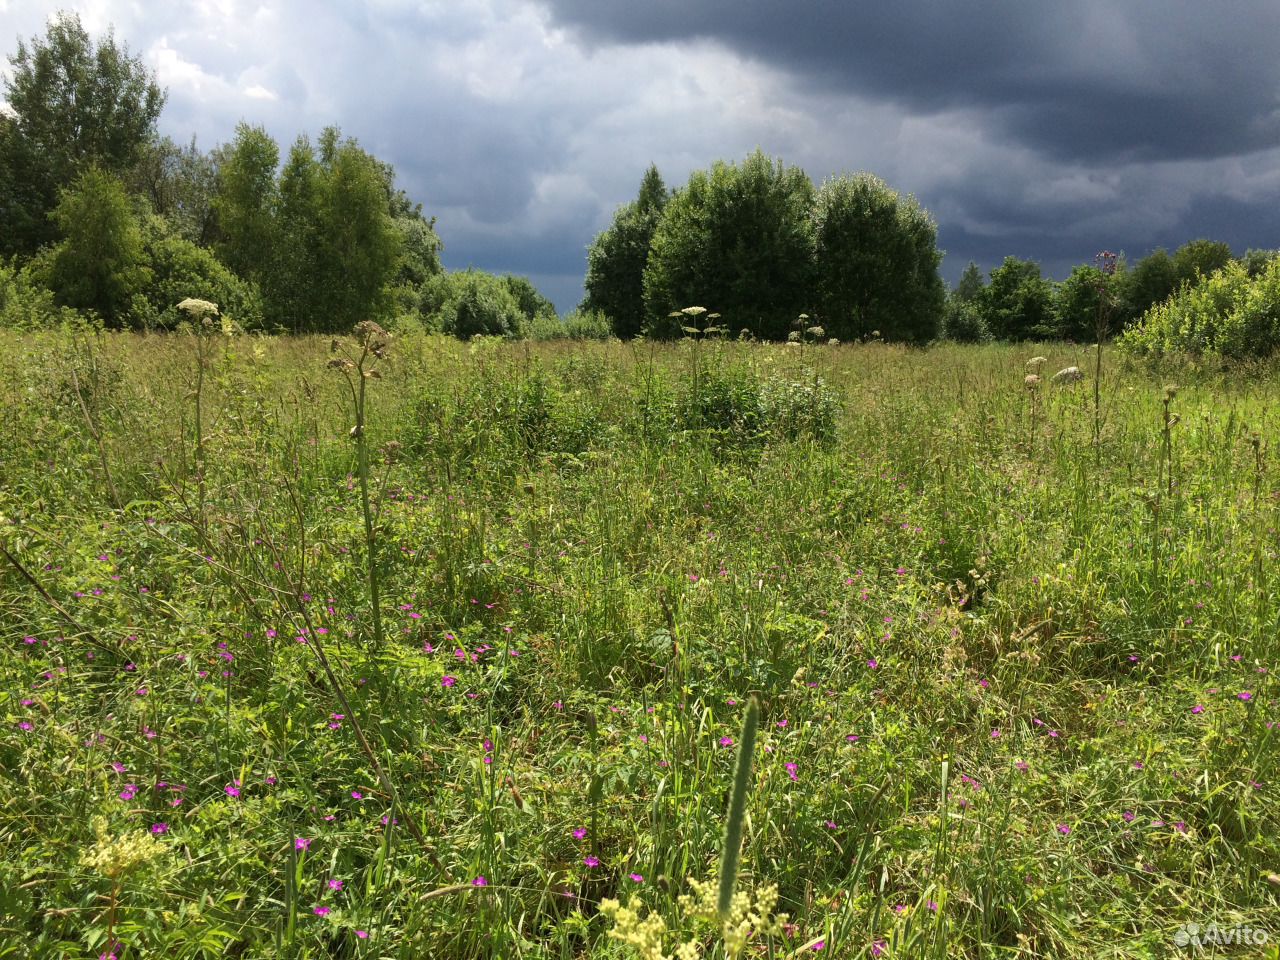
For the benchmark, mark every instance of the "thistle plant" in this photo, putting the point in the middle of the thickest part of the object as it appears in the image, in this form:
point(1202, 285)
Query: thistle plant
point(358, 367)
point(1106, 262)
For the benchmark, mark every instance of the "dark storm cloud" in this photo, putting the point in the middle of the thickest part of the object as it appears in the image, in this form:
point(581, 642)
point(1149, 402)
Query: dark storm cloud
point(1079, 79)
point(1042, 131)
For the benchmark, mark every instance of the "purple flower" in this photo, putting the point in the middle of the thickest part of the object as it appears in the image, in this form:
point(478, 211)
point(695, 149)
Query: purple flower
point(580, 833)
point(335, 884)
point(1198, 708)
point(636, 877)
point(159, 828)
point(726, 741)
point(791, 771)
point(301, 843)
point(591, 861)
point(480, 882)
point(447, 681)
point(1244, 695)
point(321, 911)
point(1064, 829)
point(995, 733)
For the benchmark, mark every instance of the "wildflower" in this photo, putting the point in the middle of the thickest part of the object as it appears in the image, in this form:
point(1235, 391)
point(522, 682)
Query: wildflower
point(995, 733)
point(362, 934)
point(873, 663)
point(726, 741)
point(1244, 695)
point(159, 828)
point(636, 877)
point(448, 681)
point(819, 946)
point(879, 947)
point(357, 795)
point(1198, 708)
point(1064, 829)
point(335, 884)
point(1129, 816)
point(1022, 766)
point(591, 861)
point(232, 789)
point(580, 833)
point(321, 911)
point(480, 881)
point(119, 767)
point(791, 771)
point(301, 843)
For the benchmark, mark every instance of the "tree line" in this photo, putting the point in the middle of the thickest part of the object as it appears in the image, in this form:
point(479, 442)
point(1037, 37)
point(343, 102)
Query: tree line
point(101, 215)
point(758, 244)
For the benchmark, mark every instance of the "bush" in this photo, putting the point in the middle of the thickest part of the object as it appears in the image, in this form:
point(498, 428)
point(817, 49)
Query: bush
point(27, 305)
point(963, 322)
point(472, 303)
point(181, 269)
point(1229, 314)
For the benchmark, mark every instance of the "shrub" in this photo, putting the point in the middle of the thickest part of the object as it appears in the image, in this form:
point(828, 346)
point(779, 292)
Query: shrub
point(963, 322)
point(472, 303)
point(27, 305)
point(181, 269)
point(1228, 314)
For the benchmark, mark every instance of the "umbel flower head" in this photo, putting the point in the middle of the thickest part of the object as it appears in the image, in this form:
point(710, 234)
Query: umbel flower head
point(198, 309)
point(747, 918)
point(113, 856)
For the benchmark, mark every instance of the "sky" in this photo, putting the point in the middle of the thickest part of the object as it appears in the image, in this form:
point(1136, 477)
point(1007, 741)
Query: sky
point(1043, 131)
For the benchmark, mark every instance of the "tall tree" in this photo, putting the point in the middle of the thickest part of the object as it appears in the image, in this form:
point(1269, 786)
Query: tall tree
point(738, 240)
point(246, 204)
point(617, 258)
point(876, 256)
point(100, 263)
point(180, 182)
point(969, 289)
point(75, 104)
point(1018, 303)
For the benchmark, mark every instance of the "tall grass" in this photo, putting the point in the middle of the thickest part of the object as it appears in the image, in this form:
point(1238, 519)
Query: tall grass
point(1015, 696)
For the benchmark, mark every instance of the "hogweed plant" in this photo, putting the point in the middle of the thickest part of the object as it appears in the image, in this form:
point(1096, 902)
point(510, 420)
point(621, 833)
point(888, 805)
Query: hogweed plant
point(358, 366)
point(1106, 262)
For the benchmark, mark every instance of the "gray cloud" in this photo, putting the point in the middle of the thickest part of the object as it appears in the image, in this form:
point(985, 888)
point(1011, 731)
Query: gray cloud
point(1042, 131)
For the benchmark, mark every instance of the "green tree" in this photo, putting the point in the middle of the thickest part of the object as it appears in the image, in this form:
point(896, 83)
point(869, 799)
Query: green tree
point(180, 269)
point(876, 257)
point(180, 183)
point(1152, 280)
point(359, 247)
point(246, 205)
point(1018, 303)
point(970, 287)
point(617, 256)
point(1077, 303)
point(1197, 259)
point(100, 263)
point(738, 240)
point(1256, 262)
point(471, 303)
point(74, 104)
point(532, 303)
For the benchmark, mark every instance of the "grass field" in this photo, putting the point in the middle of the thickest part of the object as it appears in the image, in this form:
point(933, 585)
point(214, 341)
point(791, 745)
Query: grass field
point(1017, 687)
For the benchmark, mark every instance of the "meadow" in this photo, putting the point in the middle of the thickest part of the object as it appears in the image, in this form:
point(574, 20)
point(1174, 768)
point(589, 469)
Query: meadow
point(302, 662)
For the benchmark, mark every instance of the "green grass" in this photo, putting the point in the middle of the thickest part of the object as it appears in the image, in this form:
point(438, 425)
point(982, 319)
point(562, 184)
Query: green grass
point(978, 644)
